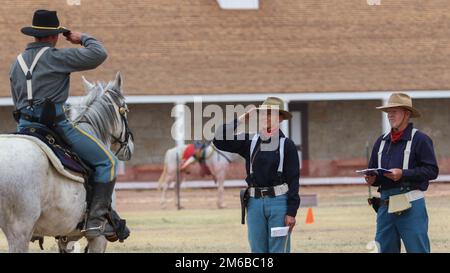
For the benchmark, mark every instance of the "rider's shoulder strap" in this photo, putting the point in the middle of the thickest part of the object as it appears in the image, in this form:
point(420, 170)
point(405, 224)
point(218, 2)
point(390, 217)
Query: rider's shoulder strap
point(29, 71)
point(280, 165)
point(252, 149)
point(281, 153)
point(407, 151)
point(380, 150)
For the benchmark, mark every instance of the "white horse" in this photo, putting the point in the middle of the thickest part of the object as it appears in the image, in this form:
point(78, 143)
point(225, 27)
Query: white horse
point(217, 161)
point(35, 199)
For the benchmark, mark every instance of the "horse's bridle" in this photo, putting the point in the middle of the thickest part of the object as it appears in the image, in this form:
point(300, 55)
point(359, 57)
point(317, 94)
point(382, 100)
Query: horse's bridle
point(125, 135)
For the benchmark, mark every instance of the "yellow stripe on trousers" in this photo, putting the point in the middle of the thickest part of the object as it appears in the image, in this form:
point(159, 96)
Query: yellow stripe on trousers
point(104, 150)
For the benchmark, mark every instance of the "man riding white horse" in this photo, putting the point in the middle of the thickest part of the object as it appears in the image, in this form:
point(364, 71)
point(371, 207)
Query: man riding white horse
point(40, 81)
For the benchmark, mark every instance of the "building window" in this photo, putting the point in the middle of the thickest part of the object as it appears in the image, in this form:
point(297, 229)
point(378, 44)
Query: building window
point(238, 4)
point(73, 2)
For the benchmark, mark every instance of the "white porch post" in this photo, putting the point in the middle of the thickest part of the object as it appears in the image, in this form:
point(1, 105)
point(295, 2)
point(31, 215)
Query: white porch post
point(180, 119)
point(284, 126)
point(384, 119)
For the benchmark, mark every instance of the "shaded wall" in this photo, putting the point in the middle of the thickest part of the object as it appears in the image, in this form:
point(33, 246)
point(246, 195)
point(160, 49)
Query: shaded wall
point(339, 131)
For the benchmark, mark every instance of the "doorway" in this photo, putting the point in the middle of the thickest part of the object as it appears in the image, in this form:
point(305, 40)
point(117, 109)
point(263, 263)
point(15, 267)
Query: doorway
point(298, 130)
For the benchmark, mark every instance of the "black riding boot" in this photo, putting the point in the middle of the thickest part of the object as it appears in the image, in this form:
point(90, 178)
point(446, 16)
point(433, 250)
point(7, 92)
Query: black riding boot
point(119, 229)
point(99, 209)
point(102, 219)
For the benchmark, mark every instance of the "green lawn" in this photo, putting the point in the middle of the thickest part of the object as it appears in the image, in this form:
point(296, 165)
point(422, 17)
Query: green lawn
point(343, 223)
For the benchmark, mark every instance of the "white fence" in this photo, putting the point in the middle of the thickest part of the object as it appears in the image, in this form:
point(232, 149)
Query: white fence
point(320, 181)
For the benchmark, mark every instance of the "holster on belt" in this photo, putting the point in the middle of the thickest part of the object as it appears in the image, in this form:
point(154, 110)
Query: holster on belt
point(375, 202)
point(244, 201)
point(48, 115)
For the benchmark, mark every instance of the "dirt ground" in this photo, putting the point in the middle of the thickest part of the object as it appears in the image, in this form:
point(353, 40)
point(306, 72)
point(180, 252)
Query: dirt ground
point(145, 200)
point(343, 222)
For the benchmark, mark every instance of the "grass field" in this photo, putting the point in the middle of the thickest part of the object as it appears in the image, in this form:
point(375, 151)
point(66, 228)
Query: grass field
point(343, 222)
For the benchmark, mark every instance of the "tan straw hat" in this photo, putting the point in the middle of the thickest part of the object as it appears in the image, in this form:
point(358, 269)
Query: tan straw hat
point(400, 100)
point(274, 103)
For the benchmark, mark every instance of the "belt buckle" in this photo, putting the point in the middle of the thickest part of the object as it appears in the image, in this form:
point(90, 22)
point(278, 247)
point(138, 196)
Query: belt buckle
point(262, 191)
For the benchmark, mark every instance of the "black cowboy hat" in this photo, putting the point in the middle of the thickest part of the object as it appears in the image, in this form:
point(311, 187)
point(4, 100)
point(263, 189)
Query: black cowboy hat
point(45, 23)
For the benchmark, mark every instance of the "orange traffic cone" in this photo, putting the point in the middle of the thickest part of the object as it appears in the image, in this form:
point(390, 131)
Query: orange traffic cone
point(309, 216)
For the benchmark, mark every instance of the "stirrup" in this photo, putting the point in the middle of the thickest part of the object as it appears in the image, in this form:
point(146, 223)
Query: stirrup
point(102, 230)
point(99, 228)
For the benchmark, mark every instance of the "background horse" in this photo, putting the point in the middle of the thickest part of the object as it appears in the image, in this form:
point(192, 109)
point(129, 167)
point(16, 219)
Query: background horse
point(35, 199)
point(217, 162)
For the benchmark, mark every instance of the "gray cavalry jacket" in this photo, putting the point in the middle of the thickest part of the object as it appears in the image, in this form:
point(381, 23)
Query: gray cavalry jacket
point(51, 76)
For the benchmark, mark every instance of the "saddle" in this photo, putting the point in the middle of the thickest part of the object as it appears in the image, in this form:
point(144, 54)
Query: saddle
point(195, 153)
point(60, 148)
point(200, 156)
point(188, 152)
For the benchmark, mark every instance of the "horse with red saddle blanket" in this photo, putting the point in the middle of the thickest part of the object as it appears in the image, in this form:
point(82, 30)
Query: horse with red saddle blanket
point(212, 162)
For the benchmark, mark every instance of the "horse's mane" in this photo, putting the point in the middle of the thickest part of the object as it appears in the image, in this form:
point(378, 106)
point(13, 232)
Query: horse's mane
point(97, 109)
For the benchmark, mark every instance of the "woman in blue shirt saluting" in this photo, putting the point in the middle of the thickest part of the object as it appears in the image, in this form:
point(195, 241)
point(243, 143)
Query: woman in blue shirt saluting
point(273, 171)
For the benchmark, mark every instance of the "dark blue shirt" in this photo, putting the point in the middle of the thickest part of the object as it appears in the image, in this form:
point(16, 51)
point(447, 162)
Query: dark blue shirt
point(422, 162)
point(265, 163)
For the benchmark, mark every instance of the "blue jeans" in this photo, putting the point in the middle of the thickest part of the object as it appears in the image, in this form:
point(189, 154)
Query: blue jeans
point(262, 215)
point(410, 226)
point(86, 146)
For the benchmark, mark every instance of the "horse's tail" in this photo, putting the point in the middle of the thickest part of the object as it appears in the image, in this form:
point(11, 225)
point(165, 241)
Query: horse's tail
point(162, 178)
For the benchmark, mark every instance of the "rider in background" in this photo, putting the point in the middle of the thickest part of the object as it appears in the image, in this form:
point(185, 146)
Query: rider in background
point(50, 80)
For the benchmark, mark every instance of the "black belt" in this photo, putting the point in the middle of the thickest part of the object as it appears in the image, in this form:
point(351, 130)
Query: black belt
point(261, 192)
point(378, 201)
point(31, 118)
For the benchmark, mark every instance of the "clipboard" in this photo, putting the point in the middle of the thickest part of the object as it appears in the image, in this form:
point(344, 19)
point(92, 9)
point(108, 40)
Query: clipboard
point(374, 171)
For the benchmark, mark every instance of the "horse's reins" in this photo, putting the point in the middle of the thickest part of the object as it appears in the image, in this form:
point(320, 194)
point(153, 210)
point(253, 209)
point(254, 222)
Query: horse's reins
point(211, 153)
point(222, 154)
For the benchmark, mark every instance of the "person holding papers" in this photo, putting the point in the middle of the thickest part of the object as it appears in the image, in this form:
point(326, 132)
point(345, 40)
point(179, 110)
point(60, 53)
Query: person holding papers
point(273, 171)
point(409, 157)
